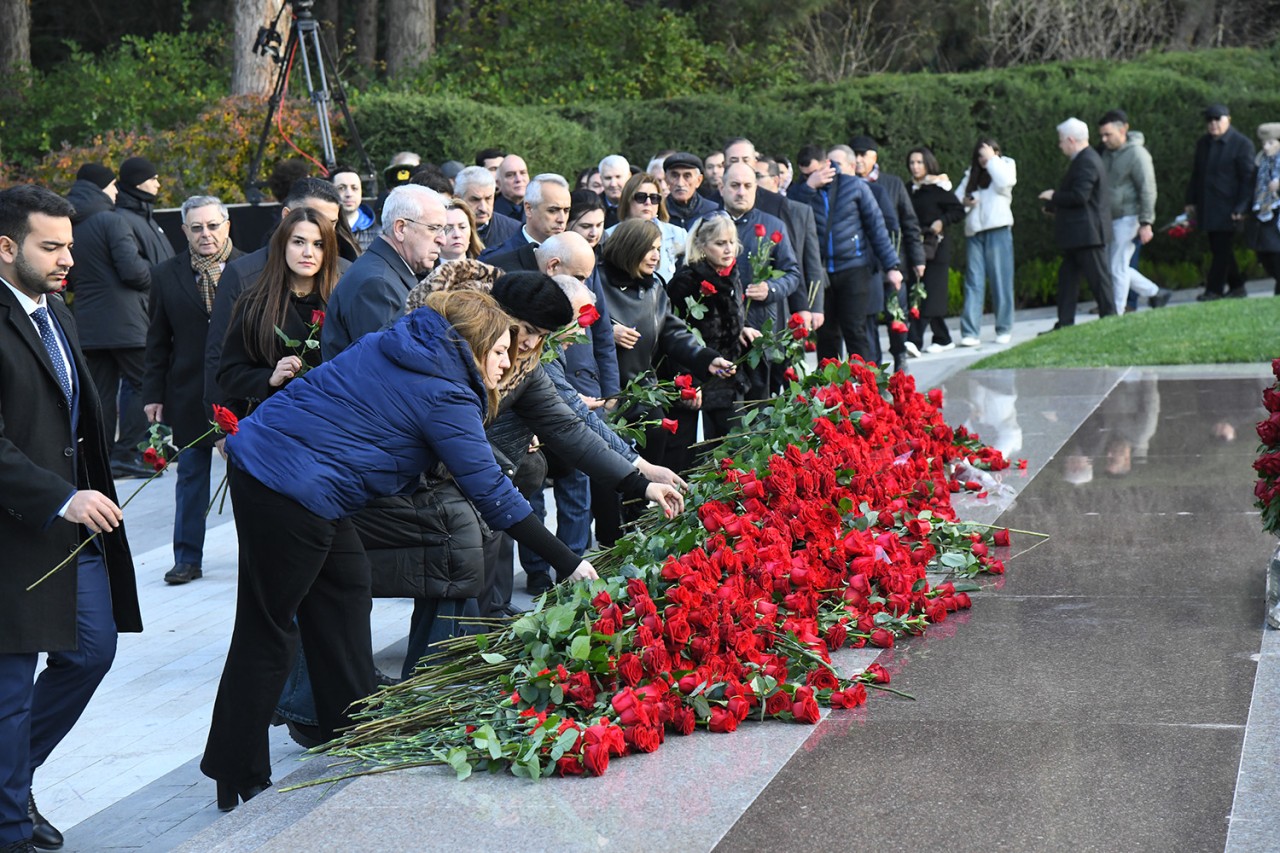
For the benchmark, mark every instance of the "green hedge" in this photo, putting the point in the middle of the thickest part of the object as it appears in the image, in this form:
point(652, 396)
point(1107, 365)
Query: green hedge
point(1020, 107)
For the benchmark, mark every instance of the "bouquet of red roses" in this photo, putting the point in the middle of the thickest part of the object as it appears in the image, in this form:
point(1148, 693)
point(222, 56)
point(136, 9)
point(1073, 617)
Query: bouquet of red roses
point(1267, 490)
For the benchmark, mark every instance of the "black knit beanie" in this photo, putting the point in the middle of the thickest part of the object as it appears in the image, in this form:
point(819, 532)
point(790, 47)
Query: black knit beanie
point(534, 298)
point(97, 174)
point(136, 171)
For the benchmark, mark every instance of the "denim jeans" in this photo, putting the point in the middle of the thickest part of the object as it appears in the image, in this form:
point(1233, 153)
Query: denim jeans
point(297, 702)
point(191, 499)
point(1123, 276)
point(989, 256)
point(573, 518)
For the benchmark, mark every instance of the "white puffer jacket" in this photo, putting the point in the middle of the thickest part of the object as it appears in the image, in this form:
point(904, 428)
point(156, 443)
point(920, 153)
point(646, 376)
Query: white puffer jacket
point(995, 203)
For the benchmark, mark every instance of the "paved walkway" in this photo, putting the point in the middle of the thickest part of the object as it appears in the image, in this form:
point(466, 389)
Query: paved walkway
point(1125, 652)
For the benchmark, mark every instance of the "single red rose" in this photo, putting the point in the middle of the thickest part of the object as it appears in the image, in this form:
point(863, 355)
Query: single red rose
point(707, 288)
point(629, 669)
point(643, 738)
point(226, 420)
point(570, 765)
point(760, 229)
point(683, 380)
point(317, 318)
point(935, 397)
point(670, 425)
point(790, 375)
point(596, 758)
point(1271, 399)
point(1001, 537)
point(1269, 430)
point(688, 393)
point(899, 327)
point(776, 237)
point(806, 710)
point(587, 315)
point(914, 313)
point(684, 720)
point(882, 638)
point(722, 719)
point(877, 673)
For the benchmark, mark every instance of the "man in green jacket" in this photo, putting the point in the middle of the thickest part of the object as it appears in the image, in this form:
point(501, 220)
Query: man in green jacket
point(1133, 207)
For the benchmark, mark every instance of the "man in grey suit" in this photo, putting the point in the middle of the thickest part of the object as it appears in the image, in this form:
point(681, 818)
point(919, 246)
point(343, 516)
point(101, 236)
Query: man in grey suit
point(1081, 207)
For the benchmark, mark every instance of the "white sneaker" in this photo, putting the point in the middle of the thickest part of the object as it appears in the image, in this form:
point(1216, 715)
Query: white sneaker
point(1003, 339)
point(967, 341)
point(936, 348)
point(912, 349)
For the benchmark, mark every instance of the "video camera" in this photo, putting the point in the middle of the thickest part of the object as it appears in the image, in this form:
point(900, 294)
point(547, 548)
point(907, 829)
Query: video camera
point(270, 39)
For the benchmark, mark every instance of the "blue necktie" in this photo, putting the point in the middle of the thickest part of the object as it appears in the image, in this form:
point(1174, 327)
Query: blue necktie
point(41, 316)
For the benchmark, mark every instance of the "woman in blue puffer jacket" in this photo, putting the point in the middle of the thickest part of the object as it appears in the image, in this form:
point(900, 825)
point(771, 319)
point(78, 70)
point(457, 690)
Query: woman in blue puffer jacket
point(363, 425)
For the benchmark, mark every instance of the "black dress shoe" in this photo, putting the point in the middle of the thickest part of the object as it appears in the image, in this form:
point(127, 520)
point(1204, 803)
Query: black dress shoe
point(1208, 296)
point(183, 573)
point(538, 583)
point(229, 796)
point(1237, 292)
point(1161, 299)
point(305, 736)
point(130, 471)
point(22, 846)
point(44, 835)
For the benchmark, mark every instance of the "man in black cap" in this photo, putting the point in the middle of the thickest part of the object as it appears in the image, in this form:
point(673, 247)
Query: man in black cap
point(684, 176)
point(111, 280)
point(1219, 195)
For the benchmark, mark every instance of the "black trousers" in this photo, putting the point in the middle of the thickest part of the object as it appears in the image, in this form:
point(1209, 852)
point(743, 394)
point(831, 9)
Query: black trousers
point(1223, 270)
point(916, 327)
point(1271, 263)
point(846, 315)
point(293, 563)
point(117, 374)
point(1092, 263)
point(500, 549)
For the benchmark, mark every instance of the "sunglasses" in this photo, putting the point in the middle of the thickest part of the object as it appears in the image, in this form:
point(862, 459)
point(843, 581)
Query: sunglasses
point(198, 229)
point(647, 198)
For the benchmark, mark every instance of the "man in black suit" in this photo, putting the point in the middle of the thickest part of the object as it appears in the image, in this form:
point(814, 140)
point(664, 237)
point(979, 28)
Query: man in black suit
point(1219, 195)
point(476, 186)
point(182, 297)
point(802, 230)
point(1081, 208)
point(546, 205)
point(55, 490)
point(372, 293)
point(240, 274)
point(513, 180)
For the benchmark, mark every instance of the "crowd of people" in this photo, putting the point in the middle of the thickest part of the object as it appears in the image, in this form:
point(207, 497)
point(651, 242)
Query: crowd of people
point(411, 370)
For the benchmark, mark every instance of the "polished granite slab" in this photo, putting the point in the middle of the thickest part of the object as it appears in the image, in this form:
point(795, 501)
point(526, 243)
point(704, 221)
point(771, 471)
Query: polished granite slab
point(1097, 696)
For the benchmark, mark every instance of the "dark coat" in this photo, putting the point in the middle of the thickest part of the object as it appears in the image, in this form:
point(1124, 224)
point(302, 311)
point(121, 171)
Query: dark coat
point(932, 204)
point(849, 222)
point(498, 230)
point(910, 246)
point(643, 304)
point(176, 341)
point(515, 260)
point(1221, 179)
point(371, 295)
point(110, 278)
point(803, 232)
point(137, 211)
point(507, 208)
point(776, 306)
point(684, 216)
point(1081, 205)
point(721, 326)
point(41, 464)
point(244, 379)
point(512, 244)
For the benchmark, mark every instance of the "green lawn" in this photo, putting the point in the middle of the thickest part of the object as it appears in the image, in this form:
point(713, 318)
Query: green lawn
point(1221, 332)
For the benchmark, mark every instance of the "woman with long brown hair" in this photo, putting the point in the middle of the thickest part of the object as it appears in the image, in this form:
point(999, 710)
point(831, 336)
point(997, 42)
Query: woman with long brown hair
point(287, 301)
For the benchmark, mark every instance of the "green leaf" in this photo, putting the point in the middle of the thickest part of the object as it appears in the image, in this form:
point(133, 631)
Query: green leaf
point(580, 648)
point(288, 341)
point(492, 657)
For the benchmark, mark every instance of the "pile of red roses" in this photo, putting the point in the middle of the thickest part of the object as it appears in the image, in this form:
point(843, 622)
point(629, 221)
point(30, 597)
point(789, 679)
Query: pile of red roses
point(1267, 489)
point(815, 528)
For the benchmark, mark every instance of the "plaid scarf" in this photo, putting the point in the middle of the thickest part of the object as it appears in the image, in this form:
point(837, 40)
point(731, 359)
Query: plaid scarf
point(208, 269)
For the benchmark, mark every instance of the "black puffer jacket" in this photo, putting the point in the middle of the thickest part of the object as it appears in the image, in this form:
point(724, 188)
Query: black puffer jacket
point(110, 279)
point(429, 544)
point(721, 326)
point(136, 207)
point(643, 304)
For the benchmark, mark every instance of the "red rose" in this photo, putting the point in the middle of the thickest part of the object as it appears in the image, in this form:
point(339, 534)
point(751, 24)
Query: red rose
point(898, 326)
point(1271, 399)
point(707, 288)
point(684, 720)
point(806, 710)
point(629, 669)
point(882, 638)
point(877, 673)
point(596, 758)
point(1268, 464)
point(935, 397)
point(790, 375)
point(760, 229)
point(587, 315)
point(688, 394)
point(317, 318)
point(722, 719)
point(154, 459)
point(914, 313)
point(570, 765)
point(684, 380)
point(643, 738)
point(776, 237)
point(1269, 430)
point(670, 425)
point(1001, 537)
point(226, 420)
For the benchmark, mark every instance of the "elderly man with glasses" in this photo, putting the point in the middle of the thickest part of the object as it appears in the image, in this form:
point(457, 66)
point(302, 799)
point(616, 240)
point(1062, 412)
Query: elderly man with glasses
point(372, 293)
point(182, 292)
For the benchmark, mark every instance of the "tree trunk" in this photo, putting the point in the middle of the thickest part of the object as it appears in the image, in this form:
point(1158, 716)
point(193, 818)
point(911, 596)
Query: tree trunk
point(15, 36)
point(411, 34)
point(367, 34)
point(329, 14)
point(251, 74)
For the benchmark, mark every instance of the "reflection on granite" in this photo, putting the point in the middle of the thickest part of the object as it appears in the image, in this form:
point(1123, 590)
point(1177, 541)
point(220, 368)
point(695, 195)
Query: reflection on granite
point(1096, 697)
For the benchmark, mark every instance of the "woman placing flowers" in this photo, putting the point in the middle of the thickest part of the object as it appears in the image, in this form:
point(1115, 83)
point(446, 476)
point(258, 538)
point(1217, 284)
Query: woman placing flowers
point(274, 332)
point(363, 425)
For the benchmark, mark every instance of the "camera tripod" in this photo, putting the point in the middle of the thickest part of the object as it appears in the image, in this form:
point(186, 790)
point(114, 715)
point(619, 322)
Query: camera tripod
point(304, 38)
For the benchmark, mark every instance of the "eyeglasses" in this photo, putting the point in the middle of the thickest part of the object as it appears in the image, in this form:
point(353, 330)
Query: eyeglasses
point(198, 229)
point(433, 230)
point(647, 198)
